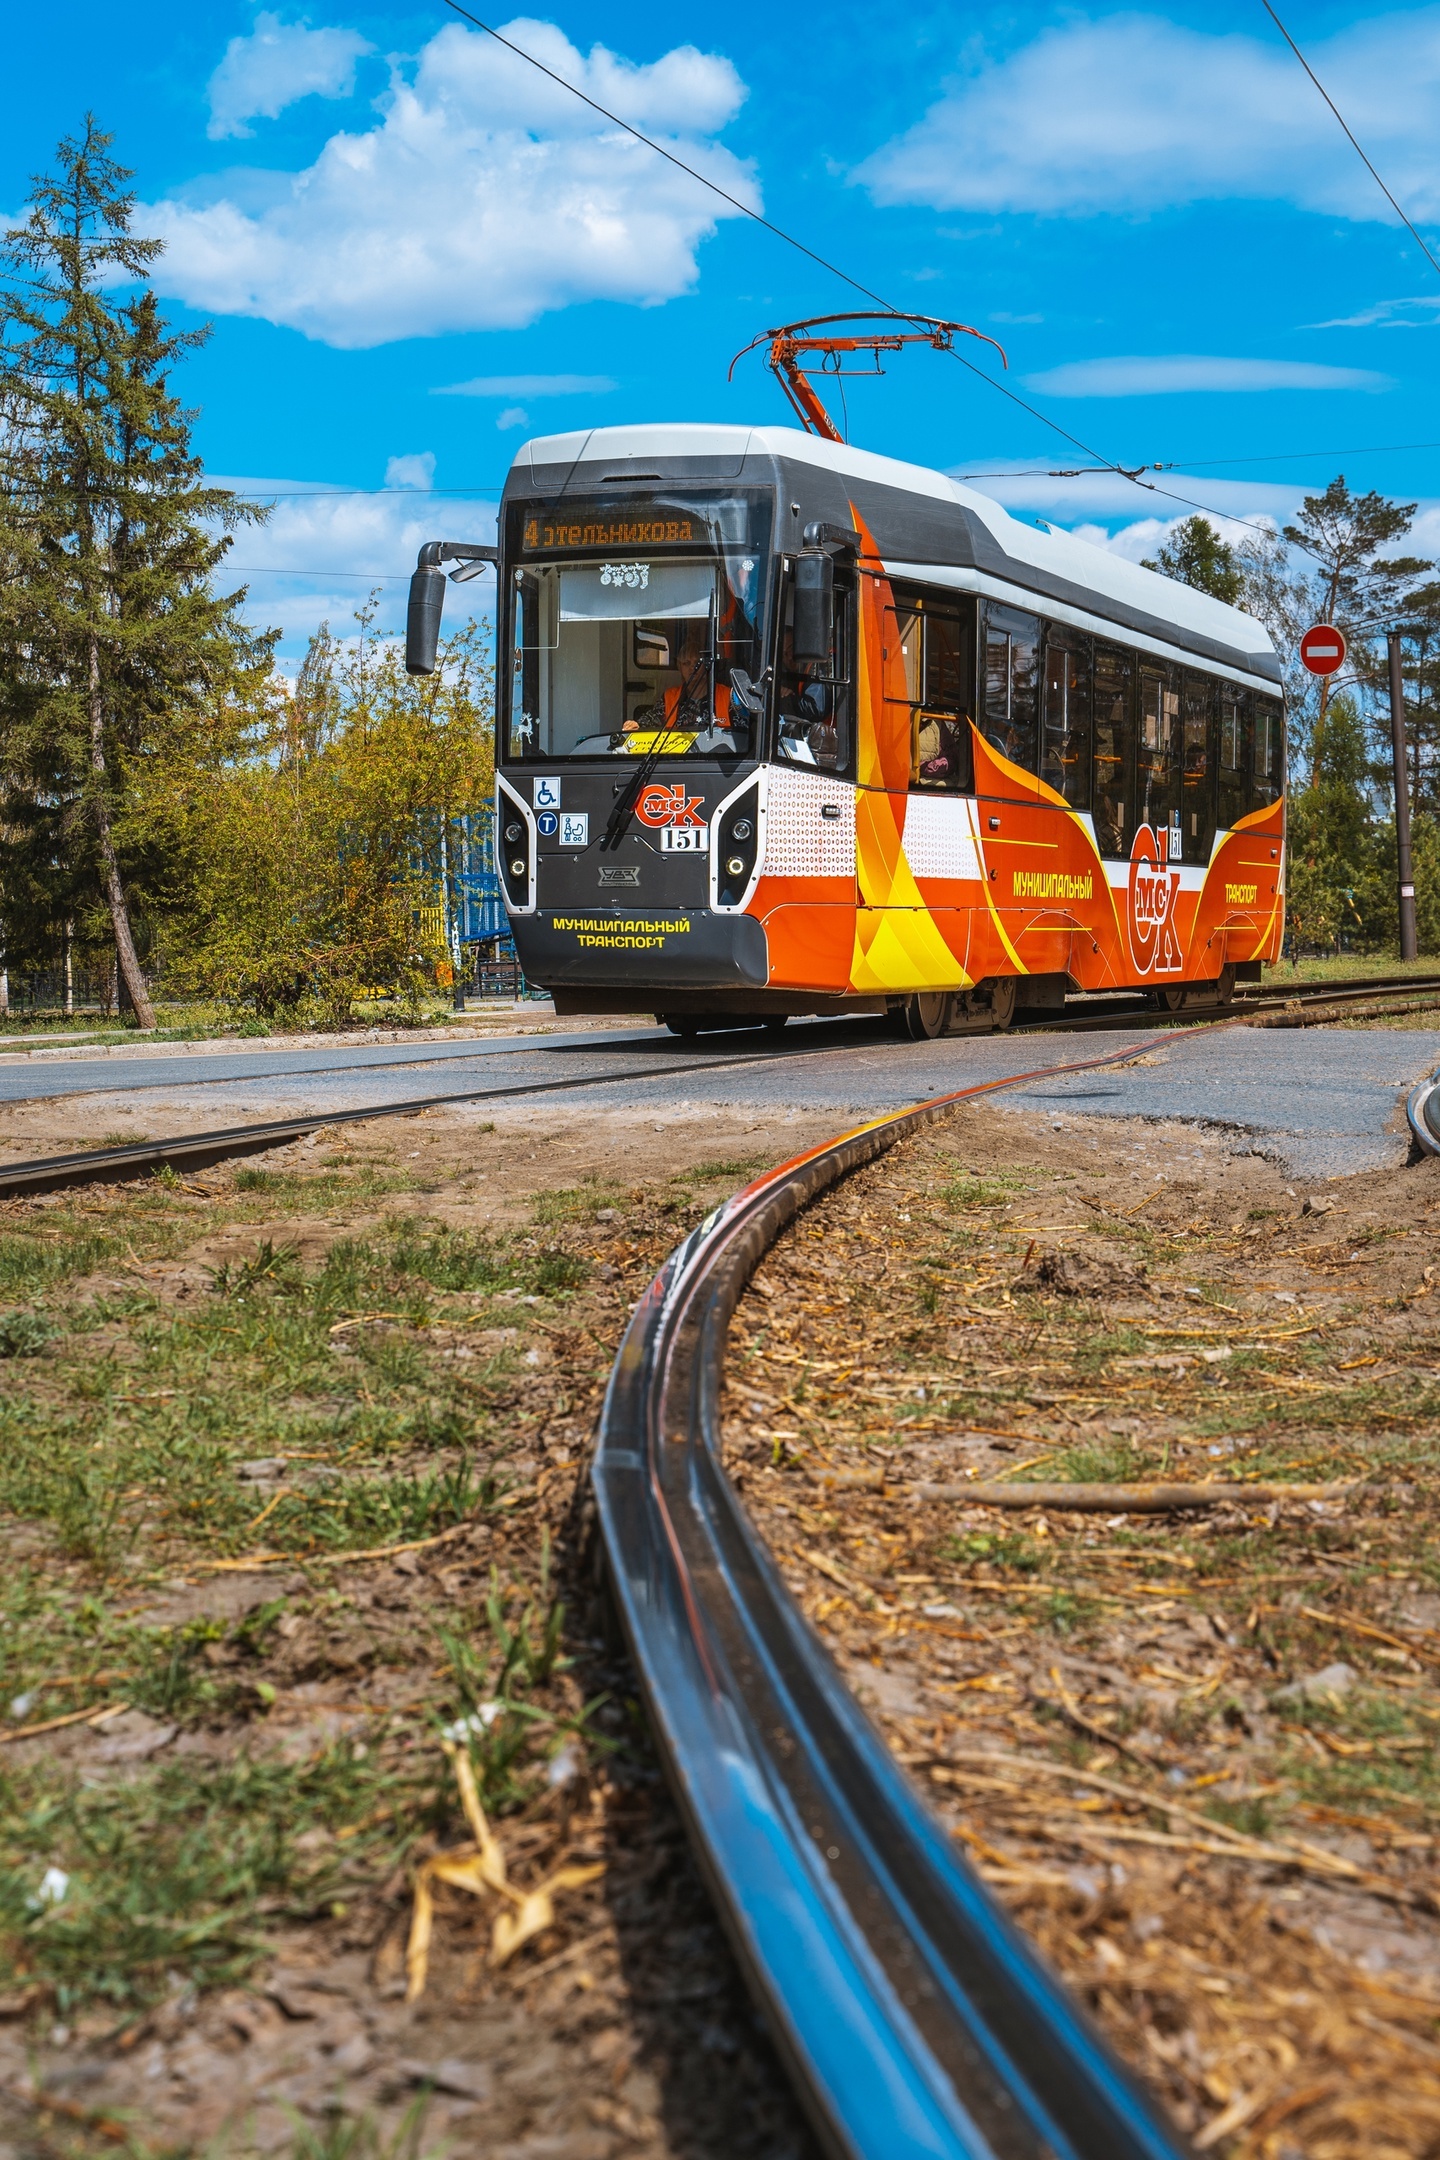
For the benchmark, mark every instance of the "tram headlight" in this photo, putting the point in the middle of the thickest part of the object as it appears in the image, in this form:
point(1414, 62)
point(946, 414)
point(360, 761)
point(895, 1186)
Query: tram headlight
point(736, 844)
point(513, 859)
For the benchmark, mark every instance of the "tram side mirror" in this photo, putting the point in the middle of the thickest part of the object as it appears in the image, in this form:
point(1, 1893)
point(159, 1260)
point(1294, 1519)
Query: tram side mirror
point(422, 617)
point(813, 625)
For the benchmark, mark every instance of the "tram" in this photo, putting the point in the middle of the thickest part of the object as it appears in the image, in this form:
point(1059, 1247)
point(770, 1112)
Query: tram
point(785, 727)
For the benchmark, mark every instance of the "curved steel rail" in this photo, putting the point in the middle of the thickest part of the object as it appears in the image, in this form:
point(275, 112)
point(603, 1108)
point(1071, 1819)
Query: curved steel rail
point(1422, 1108)
point(195, 1151)
point(913, 2015)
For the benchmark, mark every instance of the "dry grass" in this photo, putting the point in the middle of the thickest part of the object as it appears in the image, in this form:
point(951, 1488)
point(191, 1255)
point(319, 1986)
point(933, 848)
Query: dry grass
point(1240, 1881)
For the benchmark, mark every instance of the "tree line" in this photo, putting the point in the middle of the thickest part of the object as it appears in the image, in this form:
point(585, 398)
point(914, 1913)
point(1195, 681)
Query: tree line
point(172, 806)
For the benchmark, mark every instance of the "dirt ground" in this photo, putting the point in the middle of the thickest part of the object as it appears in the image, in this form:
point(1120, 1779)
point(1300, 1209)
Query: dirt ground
point(1194, 1752)
point(293, 1512)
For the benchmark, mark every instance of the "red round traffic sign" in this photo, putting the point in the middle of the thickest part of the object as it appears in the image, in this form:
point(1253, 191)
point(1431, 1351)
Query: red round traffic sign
point(1322, 649)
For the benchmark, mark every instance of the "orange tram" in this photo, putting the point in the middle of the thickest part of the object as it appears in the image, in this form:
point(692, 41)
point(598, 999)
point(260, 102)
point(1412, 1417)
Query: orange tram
point(784, 727)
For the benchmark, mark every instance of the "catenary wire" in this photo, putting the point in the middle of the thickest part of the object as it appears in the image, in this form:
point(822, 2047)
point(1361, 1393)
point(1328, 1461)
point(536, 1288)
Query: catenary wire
point(1435, 266)
point(779, 232)
point(834, 270)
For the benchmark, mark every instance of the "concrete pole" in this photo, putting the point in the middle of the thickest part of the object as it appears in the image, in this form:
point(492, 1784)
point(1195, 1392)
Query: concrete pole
point(1408, 945)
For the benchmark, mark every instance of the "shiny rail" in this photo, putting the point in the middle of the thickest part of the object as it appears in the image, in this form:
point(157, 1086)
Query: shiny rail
point(197, 1151)
point(913, 2016)
point(1422, 1109)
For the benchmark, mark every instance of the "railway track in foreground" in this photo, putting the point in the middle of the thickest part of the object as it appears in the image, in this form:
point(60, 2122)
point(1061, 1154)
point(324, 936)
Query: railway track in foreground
point(1310, 1006)
point(912, 2014)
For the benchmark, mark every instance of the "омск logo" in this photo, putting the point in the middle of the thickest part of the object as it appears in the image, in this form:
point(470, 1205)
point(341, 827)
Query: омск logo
point(662, 804)
point(1154, 943)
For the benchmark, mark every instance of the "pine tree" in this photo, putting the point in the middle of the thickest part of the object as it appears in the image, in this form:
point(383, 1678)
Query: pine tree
point(1353, 585)
point(111, 639)
point(1195, 555)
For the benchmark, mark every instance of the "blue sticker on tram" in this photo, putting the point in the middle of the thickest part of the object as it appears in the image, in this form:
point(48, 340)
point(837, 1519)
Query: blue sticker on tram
point(548, 824)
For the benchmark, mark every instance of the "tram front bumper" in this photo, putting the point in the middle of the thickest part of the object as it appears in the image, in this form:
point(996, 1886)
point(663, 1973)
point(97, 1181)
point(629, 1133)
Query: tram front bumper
point(687, 949)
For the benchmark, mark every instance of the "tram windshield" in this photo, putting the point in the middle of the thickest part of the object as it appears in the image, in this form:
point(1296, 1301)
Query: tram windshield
point(628, 637)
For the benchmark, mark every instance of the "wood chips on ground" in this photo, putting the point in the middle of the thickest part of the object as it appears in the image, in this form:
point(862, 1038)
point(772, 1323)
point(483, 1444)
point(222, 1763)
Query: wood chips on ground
point(1195, 1754)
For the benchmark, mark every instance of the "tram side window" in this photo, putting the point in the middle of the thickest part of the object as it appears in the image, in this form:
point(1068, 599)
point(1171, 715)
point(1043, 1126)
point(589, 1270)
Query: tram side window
point(1065, 719)
point(1236, 756)
point(1269, 765)
point(1012, 654)
point(1114, 748)
point(1158, 753)
point(1197, 758)
point(930, 666)
point(816, 699)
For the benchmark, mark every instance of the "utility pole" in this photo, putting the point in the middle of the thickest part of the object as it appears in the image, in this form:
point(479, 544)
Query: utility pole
point(1408, 945)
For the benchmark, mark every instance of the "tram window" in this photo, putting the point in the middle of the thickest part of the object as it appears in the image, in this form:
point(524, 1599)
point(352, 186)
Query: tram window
point(1197, 785)
point(1012, 652)
point(1065, 722)
point(1158, 755)
point(609, 657)
point(943, 752)
point(904, 655)
point(1114, 748)
point(1236, 729)
point(1269, 773)
point(816, 700)
point(929, 665)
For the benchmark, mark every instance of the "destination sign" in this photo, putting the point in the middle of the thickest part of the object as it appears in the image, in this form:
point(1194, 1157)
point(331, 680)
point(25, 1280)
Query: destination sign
point(544, 535)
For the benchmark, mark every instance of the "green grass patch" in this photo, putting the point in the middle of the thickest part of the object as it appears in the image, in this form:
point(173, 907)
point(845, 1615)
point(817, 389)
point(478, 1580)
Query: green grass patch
point(1012, 1550)
point(178, 1869)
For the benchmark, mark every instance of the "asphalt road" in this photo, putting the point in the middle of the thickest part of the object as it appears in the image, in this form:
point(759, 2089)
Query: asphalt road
point(1322, 1102)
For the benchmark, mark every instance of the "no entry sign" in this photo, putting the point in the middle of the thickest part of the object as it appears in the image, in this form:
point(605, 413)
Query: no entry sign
point(1322, 649)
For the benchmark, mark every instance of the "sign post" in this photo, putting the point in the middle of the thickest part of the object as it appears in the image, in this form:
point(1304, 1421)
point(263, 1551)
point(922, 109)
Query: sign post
point(1408, 942)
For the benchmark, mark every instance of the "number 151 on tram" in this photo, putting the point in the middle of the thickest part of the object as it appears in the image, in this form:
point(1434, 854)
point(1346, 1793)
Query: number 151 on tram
point(784, 727)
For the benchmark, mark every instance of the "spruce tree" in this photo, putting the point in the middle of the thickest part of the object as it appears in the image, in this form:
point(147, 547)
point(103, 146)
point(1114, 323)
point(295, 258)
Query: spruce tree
point(111, 639)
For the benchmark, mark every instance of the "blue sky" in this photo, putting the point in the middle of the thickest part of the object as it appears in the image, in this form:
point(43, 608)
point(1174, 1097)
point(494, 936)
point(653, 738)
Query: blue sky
point(415, 251)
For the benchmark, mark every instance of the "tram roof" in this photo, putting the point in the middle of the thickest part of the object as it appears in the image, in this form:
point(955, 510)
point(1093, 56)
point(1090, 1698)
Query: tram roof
point(921, 519)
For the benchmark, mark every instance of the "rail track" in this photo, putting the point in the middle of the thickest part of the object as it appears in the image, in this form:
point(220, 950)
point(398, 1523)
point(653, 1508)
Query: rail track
point(1310, 1006)
point(913, 2016)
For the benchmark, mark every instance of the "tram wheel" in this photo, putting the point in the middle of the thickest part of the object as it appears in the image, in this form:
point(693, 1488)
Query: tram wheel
point(1002, 1001)
point(680, 1023)
point(927, 1014)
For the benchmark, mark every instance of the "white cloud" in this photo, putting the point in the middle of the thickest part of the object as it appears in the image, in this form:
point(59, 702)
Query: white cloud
point(277, 64)
point(531, 386)
point(1164, 374)
point(1421, 312)
point(1134, 112)
point(323, 551)
point(483, 196)
point(417, 471)
point(513, 416)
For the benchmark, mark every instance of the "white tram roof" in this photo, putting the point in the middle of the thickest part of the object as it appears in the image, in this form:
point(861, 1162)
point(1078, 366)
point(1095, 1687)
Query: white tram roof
point(1061, 569)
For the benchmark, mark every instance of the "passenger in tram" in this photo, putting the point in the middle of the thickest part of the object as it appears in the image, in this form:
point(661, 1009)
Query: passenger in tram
point(936, 747)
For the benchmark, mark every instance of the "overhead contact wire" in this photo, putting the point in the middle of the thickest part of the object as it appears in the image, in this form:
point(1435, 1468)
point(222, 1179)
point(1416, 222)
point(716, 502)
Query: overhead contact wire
point(1349, 137)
